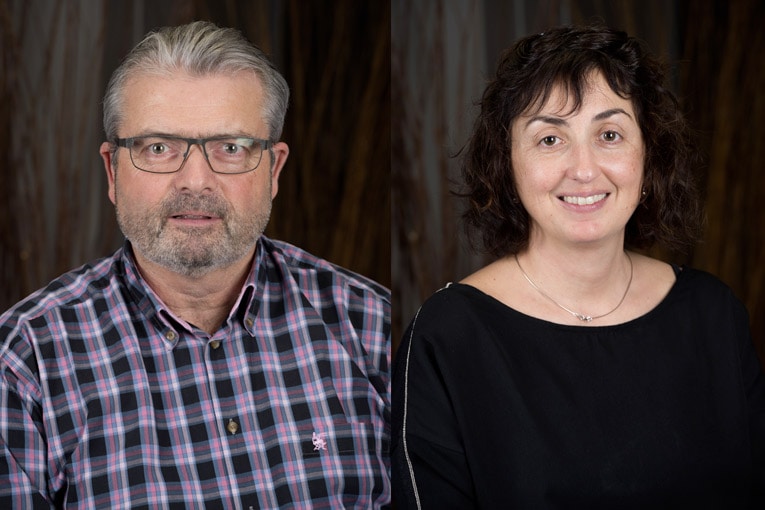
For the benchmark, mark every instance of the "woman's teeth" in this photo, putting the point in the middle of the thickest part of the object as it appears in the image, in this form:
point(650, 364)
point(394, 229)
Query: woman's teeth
point(584, 200)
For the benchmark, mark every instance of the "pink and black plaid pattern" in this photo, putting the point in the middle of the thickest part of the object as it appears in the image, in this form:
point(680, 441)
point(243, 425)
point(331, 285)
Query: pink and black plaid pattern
point(108, 400)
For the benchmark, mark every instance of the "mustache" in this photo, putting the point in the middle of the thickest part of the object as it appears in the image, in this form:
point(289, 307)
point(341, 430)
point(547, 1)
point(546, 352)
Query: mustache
point(212, 205)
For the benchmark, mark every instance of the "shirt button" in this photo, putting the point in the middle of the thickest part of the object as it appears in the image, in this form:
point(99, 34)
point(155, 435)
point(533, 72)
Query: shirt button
point(170, 335)
point(249, 322)
point(215, 344)
point(232, 427)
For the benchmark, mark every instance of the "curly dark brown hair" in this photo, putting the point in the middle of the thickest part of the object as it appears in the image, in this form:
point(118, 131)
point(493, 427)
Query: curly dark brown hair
point(527, 73)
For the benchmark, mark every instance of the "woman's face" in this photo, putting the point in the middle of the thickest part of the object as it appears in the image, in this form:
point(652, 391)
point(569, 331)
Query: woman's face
point(579, 174)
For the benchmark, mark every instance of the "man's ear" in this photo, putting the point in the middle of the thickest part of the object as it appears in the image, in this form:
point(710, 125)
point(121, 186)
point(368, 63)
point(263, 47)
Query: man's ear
point(280, 151)
point(107, 155)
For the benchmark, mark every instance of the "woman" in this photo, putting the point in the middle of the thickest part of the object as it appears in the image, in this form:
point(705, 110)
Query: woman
point(575, 372)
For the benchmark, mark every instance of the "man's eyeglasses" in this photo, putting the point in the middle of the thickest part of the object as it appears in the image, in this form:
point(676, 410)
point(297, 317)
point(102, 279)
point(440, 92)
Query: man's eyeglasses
point(165, 154)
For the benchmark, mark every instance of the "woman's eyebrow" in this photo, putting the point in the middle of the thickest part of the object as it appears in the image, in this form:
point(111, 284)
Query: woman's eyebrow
point(610, 113)
point(560, 121)
point(555, 121)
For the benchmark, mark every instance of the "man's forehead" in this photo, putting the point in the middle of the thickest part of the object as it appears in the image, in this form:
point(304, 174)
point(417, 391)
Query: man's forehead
point(179, 80)
point(204, 105)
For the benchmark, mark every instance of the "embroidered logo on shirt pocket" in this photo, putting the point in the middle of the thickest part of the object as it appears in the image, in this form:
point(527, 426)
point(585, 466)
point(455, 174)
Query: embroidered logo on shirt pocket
point(335, 438)
point(319, 443)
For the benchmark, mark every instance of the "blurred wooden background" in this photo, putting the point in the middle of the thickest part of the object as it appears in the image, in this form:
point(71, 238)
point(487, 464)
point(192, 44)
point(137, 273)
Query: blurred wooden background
point(442, 53)
point(334, 194)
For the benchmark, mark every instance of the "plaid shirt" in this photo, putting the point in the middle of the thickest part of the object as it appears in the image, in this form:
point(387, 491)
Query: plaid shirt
point(108, 400)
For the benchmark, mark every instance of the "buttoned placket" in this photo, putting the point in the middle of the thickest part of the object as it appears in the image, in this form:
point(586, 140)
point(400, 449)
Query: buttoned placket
point(215, 353)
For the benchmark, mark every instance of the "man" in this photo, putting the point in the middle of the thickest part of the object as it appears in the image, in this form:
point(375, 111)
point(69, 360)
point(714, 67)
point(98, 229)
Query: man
point(202, 365)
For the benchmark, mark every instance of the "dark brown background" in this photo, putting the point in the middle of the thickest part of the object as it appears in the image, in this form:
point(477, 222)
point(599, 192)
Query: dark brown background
point(57, 56)
point(444, 50)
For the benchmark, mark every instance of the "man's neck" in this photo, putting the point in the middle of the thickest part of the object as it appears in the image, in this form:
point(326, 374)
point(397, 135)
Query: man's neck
point(204, 301)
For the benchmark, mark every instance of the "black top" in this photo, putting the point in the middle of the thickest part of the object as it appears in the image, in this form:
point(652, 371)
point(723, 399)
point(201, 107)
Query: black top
point(497, 409)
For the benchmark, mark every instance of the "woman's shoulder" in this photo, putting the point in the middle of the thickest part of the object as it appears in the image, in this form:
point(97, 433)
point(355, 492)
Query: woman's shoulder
point(702, 284)
point(707, 295)
point(453, 299)
point(450, 311)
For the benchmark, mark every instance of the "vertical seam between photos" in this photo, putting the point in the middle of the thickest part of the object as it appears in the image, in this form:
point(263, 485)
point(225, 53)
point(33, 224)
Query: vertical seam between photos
point(406, 411)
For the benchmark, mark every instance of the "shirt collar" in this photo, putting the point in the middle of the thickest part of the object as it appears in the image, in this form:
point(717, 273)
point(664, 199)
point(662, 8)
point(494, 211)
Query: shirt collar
point(151, 307)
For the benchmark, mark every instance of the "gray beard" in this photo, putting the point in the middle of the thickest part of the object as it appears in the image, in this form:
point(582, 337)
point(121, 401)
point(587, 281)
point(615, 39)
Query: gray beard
point(192, 251)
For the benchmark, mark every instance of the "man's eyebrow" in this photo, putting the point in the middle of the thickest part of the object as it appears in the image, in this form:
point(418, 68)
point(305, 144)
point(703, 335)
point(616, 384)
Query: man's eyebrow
point(559, 121)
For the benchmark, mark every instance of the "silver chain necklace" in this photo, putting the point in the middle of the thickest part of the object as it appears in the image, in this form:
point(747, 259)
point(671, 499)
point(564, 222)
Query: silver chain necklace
point(582, 317)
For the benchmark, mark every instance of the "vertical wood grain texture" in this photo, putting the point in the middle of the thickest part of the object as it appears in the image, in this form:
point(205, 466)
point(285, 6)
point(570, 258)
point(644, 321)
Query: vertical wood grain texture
point(338, 174)
point(436, 62)
point(725, 87)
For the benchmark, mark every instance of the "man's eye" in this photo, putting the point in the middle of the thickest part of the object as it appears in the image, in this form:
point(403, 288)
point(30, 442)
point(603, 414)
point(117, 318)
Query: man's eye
point(158, 148)
point(231, 148)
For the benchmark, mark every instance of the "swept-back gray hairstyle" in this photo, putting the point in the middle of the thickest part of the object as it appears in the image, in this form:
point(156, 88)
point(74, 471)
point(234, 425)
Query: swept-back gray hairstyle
point(198, 49)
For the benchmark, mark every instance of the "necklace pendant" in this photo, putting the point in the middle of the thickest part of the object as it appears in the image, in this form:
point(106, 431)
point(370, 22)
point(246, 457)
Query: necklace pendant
point(580, 316)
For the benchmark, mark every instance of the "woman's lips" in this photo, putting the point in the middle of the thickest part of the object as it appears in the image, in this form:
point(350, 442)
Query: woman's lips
point(587, 200)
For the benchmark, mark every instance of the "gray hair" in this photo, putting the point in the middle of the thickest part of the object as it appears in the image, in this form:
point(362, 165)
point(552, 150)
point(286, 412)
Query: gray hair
point(199, 49)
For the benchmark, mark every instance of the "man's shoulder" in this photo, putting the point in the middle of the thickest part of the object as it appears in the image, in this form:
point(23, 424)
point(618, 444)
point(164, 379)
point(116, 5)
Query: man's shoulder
point(79, 285)
point(304, 265)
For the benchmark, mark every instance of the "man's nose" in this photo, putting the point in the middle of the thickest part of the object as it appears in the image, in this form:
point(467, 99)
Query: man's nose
point(195, 174)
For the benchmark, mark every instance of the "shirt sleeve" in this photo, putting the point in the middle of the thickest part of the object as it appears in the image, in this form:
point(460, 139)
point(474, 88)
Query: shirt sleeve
point(429, 466)
point(754, 385)
point(24, 479)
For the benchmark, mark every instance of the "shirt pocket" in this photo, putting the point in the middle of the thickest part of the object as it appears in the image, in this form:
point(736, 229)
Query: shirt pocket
point(337, 438)
point(346, 462)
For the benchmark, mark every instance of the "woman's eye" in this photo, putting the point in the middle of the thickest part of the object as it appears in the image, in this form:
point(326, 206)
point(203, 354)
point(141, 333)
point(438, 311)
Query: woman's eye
point(549, 141)
point(610, 136)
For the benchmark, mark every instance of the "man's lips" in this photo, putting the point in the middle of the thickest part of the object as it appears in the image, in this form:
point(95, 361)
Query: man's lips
point(194, 210)
point(194, 216)
point(191, 217)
